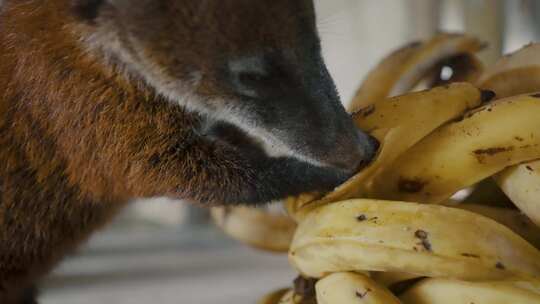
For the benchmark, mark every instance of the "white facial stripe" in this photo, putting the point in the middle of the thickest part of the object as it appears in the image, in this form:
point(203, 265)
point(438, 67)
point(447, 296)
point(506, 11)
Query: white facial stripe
point(271, 144)
point(182, 93)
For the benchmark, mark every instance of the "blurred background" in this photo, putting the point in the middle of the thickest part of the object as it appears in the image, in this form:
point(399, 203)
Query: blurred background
point(159, 251)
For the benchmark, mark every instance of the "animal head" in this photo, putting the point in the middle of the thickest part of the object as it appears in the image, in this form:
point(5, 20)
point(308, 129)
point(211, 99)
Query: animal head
point(254, 64)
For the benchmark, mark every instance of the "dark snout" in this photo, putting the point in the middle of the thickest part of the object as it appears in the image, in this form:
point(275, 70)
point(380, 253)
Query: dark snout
point(334, 141)
point(298, 106)
point(327, 131)
point(351, 152)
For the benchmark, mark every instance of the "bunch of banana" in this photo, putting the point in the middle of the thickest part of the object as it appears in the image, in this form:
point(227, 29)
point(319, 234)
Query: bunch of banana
point(393, 233)
point(460, 154)
point(519, 73)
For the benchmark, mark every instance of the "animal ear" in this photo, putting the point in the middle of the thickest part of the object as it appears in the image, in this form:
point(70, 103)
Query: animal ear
point(86, 9)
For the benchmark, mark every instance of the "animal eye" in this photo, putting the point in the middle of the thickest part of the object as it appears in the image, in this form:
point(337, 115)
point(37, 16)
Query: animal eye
point(252, 78)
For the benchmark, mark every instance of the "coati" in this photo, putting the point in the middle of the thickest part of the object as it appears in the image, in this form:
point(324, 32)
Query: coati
point(208, 101)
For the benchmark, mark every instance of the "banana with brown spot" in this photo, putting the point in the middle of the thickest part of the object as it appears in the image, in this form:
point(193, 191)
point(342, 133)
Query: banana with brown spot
point(426, 240)
point(514, 74)
point(513, 219)
point(460, 154)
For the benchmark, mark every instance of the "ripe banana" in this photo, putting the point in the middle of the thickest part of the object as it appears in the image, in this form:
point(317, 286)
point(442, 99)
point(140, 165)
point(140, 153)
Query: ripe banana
point(513, 219)
point(522, 184)
point(352, 288)
point(427, 240)
point(405, 68)
point(398, 126)
point(444, 291)
point(274, 297)
point(256, 227)
point(514, 74)
point(458, 155)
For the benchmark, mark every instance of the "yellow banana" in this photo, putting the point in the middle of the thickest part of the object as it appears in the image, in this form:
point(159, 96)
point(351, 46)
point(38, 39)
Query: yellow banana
point(444, 291)
point(458, 155)
point(427, 240)
point(352, 288)
point(256, 227)
point(514, 74)
point(405, 68)
point(273, 297)
point(398, 126)
point(513, 219)
point(522, 184)
point(404, 110)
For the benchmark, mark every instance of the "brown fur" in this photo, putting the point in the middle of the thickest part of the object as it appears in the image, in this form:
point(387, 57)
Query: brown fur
point(71, 156)
point(79, 138)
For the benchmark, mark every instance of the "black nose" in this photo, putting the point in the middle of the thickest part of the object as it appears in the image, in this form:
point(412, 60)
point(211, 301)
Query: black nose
point(353, 155)
point(371, 147)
